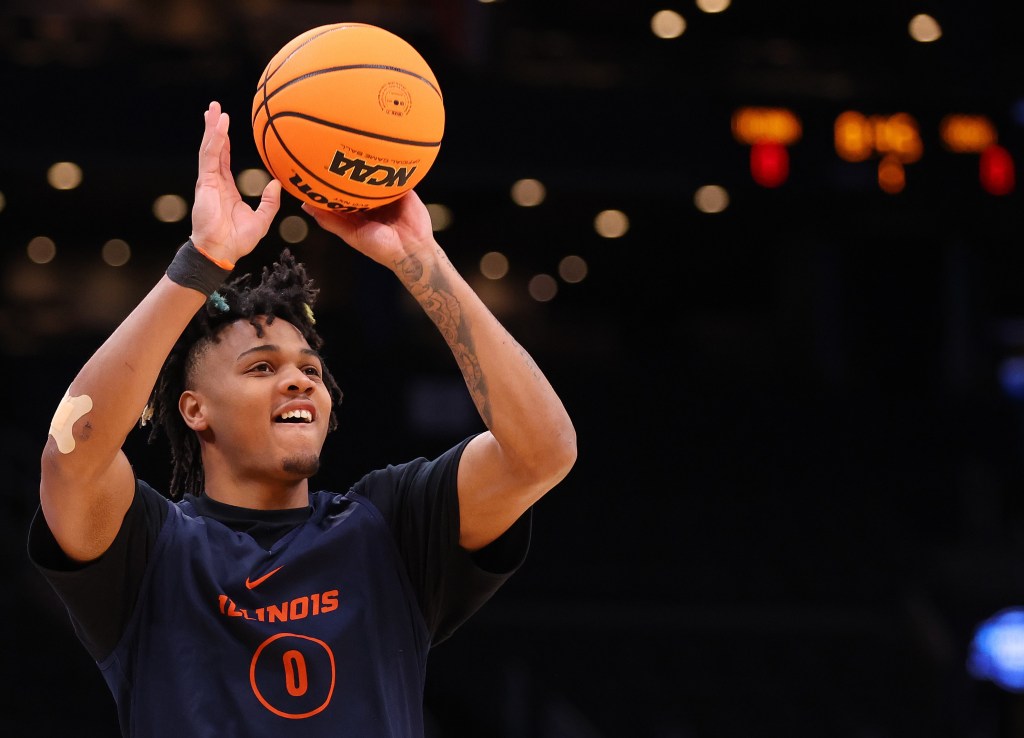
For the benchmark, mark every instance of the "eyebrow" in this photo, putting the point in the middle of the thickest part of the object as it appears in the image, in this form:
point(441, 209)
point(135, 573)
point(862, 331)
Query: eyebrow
point(274, 348)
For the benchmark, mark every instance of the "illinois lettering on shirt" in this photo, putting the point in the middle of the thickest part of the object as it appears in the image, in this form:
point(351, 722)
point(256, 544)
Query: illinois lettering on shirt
point(319, 603)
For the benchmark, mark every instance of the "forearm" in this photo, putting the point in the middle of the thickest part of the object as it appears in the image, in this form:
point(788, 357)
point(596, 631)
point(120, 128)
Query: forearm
point(515, 400)
point(119, 377)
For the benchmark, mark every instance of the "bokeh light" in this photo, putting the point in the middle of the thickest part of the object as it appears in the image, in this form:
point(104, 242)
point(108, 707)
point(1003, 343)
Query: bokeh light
point(41, 250)
point(528, 193)
point(542, 287)
point(116, 252)
point(711, 199)
point(440, 216)
point(251, 182)
point(611, 224)
point(713, 6)
point(572, 269)
point(494, 265)
point(996, 651)
point(924, 28)
point(293, 229)
point(64, 175)
point(668, 24)
point(170, 208)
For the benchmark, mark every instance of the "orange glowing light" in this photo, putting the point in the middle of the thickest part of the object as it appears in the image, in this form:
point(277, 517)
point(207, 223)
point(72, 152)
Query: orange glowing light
point(967, 134)
point(891, 176)
point(858, 137)
point(898, 135)
point(854, 140)
point(752, 125)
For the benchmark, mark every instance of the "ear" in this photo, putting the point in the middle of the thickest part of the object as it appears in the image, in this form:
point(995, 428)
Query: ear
point(190, 405)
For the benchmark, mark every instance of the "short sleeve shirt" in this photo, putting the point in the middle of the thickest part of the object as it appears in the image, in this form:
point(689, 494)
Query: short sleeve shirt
point(209, 620)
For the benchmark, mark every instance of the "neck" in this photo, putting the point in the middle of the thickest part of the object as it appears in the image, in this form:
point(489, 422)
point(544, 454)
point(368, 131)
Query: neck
point(260, 493)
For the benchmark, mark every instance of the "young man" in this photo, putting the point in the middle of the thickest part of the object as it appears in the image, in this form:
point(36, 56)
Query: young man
point(248, 605)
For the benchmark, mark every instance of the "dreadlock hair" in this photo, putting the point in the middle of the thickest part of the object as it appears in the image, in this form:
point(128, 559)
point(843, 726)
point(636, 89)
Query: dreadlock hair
point(284, 292)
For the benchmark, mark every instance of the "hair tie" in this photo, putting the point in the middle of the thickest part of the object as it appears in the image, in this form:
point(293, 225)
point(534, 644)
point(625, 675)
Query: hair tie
point(219, 302)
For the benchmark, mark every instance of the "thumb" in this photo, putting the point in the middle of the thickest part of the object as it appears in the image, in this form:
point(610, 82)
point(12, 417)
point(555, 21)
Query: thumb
point(270, 202)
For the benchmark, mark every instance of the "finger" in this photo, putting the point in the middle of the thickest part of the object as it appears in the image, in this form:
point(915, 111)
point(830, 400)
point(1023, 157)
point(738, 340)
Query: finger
point(321, 218)
point(208, 116)
point(270, 201)
point(327, 218)
point(225, 158)
point(214, 139)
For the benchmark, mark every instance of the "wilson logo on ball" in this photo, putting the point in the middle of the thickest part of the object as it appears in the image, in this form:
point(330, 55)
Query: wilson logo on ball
point(377, 175)
point(302, 189)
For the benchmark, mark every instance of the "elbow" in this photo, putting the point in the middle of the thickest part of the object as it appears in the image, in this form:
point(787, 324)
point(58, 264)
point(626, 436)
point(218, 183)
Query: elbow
point(559, 457)
point(50, 462)
point(54, 467)
point(567, 451)
point(66, 468)
point(534, 463)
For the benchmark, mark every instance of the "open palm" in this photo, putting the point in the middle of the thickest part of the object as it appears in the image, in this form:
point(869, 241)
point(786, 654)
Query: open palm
point(222, 224)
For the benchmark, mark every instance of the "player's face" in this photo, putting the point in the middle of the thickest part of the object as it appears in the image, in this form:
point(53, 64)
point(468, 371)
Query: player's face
point(264, 401)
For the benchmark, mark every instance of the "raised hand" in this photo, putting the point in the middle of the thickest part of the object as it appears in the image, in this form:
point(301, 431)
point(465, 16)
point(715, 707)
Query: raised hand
point(224, 226)
point(386, 234)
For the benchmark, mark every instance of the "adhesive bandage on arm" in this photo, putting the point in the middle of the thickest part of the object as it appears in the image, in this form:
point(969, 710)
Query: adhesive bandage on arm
point(68, 412)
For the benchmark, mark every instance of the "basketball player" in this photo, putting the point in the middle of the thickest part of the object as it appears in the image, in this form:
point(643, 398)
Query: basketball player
point(245, 604)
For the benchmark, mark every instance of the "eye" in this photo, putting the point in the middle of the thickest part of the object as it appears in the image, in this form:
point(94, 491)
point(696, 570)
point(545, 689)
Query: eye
point(312, 371)
point(261, 368)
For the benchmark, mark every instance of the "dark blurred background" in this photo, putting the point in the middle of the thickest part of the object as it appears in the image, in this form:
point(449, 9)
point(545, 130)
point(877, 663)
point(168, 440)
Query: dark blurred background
point(799, 486)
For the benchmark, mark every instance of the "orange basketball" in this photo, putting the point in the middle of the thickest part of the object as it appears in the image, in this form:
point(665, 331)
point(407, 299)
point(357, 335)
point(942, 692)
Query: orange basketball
point(348, 117)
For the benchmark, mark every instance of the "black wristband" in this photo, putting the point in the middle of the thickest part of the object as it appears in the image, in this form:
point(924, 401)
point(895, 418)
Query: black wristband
point(191, 269)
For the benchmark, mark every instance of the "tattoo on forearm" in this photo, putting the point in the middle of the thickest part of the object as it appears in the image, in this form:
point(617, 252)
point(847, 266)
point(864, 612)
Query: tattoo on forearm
point(443, 308)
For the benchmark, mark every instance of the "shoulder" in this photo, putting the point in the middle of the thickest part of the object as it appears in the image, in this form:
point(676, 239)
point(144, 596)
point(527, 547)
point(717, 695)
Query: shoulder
point(412, 488)
point(418, 472)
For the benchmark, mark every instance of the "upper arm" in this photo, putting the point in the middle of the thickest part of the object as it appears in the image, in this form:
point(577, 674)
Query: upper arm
point(495, 488)
point(84, 512)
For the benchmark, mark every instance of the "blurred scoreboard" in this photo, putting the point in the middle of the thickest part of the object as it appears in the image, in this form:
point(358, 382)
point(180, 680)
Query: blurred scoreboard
point(893, 140)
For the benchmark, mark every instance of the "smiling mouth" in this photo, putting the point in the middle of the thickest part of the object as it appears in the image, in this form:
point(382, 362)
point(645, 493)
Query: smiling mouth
point(296, 417)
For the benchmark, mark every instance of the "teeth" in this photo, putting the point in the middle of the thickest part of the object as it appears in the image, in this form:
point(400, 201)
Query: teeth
point(305, 415)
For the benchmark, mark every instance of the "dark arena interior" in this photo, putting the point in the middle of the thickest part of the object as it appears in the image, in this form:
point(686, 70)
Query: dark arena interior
point(772, 263)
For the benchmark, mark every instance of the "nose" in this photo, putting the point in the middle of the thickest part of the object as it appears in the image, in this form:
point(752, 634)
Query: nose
point(296, 380)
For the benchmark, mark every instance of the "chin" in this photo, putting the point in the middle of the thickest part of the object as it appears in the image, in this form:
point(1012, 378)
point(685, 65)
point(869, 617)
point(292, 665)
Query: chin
point(302, 466)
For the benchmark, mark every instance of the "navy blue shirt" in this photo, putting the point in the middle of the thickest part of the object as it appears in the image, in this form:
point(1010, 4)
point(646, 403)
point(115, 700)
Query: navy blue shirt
point(210, 620)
